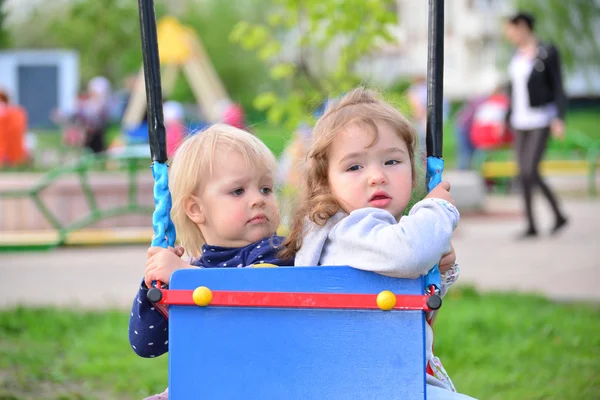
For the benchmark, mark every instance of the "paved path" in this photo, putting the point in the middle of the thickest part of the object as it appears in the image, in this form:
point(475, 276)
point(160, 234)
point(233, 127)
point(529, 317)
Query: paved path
point(565, 267)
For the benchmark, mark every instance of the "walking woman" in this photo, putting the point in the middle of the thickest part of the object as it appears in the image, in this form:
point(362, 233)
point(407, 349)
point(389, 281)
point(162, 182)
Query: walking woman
point(538, 105)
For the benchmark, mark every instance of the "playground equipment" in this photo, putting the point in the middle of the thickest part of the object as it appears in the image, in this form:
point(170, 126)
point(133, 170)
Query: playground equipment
point(59, 208)
point(303, 332)
point(181, 49)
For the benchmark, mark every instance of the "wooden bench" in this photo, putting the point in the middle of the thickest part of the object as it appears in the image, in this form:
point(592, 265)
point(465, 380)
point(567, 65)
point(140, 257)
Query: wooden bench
point(578, 155)
point(508, 169)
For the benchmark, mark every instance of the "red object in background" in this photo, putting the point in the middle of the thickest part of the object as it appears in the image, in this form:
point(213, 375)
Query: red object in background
point(234, 116)
point(13, 125)
point(73, 136)
point(488, 130)
point(175, 132)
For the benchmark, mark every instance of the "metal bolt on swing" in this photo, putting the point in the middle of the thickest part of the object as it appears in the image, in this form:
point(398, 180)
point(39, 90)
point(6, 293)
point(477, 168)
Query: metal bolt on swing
point(154, 295)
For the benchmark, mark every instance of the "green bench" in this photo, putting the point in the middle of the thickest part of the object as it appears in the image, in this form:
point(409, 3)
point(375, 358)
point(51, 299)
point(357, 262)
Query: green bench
point(577, 155)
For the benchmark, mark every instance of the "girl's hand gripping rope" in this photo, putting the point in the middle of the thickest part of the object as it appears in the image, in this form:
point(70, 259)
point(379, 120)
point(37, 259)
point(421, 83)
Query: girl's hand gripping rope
point(441, 191)
point(162, 263)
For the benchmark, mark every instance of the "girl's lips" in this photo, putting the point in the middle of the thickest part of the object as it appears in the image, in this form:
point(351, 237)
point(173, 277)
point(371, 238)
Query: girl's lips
point(258, 219)
point(380, 194)
point(380, 199)
point(380, 202)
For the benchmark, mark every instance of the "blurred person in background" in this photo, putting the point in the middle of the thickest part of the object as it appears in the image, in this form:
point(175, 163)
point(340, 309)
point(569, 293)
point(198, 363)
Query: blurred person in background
point(291, 164)
point(174, 118)
point(13, 126)
point(91, 115)
point(479, 123)
point(462, 130)
point(537, 109)
point(234, 115)
point(488, 130)
point(94, 114)
point(417, 98)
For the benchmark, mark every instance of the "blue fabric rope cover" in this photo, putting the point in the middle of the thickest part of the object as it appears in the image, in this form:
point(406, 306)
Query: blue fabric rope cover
point(164, 230)
point(435, 167)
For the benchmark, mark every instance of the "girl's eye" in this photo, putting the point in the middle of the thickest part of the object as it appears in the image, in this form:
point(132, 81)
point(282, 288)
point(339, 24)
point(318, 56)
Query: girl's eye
point(392, 162)
point(354, 168)
point(237, 192)
point(266, 190)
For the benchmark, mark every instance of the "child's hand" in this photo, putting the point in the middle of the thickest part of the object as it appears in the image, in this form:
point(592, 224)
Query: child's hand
point(162, 263)
point(178, 250)
point(441, 191)
point(447, 260)
point(557, 128)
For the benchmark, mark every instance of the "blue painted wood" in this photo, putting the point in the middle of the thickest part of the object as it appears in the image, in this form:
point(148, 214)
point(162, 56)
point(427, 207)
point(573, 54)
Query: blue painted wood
point(261, 353)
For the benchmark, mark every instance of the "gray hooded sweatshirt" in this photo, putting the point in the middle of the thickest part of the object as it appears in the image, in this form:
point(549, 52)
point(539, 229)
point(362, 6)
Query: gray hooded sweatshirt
point(372, 240)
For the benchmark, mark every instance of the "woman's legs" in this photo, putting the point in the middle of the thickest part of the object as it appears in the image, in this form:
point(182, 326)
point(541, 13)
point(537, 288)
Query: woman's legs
point(524, 150)
point(531, 146)
point(95, 141)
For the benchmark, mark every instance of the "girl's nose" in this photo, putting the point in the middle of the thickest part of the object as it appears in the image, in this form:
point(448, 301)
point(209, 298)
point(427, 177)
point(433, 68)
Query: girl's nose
point(258, 200)
point(377, 177)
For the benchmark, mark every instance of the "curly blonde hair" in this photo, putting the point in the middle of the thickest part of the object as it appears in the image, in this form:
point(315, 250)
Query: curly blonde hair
point(192, 165)
point(316, 202)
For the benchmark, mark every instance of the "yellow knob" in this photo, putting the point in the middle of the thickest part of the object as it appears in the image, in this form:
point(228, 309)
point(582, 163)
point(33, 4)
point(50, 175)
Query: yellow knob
point(386, 300)
point(202, 296)
point(263, 265)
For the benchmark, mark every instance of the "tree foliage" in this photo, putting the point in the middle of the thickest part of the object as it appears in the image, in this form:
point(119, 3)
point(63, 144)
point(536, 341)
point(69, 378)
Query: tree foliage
point(106, 36)
point(105, 33)
point(5, 39)
point(312, 48)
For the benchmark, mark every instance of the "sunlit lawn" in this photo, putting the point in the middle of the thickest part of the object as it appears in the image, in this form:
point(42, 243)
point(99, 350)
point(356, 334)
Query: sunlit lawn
point(495, 346)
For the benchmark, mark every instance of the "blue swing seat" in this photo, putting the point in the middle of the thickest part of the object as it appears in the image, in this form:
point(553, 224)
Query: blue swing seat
point(222, 352)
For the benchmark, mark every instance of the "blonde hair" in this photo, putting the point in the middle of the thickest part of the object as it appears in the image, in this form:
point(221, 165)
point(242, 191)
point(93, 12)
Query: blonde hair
point(192, 165)
point(360, 106)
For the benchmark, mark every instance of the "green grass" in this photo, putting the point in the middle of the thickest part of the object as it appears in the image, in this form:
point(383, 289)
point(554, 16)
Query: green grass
point(495, 346)
point(58, 354)
point(587, 121)
point(509, 346)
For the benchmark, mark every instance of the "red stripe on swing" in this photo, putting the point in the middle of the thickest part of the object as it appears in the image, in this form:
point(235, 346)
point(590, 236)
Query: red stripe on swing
point(295, 300)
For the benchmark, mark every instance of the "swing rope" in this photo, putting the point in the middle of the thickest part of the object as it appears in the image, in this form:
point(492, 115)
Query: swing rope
point(164, 230)
point(434, 129)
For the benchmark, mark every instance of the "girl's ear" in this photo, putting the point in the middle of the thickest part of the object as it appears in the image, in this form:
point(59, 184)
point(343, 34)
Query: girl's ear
point(194, 210)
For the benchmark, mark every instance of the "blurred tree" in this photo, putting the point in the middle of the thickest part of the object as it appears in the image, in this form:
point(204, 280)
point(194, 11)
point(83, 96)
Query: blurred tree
point(104, 33)
point(312, 48)
point(573, 26)
point(106, 36)
point(5, 40)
